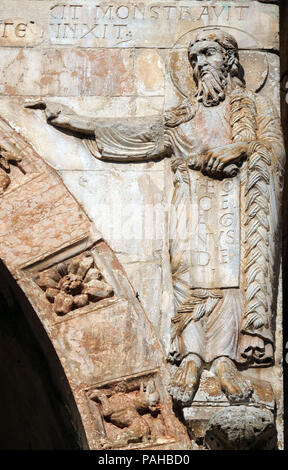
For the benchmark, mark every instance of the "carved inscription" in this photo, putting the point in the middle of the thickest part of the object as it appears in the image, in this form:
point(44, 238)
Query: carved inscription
point(215, 221)
point(19, 32)
point(221, 135)
point(10, 28)
point(96, 23)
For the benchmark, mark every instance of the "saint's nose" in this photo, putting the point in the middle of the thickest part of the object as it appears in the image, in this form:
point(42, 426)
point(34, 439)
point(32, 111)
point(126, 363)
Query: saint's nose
point(201, 61)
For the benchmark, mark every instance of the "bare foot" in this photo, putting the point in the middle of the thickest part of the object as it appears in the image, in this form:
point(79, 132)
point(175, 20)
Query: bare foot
point(186, 380)
point(233, 384)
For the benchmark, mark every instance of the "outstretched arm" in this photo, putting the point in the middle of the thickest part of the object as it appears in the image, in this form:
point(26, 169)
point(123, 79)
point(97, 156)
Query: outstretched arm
point(131, 139)
point(125, 139)
point(64, 117)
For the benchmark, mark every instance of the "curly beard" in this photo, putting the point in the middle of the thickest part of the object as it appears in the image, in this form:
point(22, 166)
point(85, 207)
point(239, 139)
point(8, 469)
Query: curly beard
point(211, 84)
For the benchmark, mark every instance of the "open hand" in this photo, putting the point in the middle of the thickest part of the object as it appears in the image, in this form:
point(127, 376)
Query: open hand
point(52, 110)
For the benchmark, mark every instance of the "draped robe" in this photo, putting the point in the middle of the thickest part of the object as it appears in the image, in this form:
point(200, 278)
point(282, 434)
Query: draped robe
point(216, 225)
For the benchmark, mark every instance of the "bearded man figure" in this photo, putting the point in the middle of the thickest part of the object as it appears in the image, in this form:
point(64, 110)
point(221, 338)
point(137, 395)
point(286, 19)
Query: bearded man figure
point(227, 158)
point(224, 281)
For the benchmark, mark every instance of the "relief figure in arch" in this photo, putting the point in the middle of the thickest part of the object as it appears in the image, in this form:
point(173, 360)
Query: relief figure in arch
point(226, 151)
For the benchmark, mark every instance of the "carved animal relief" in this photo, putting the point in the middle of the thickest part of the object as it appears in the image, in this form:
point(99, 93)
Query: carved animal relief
point(132, 414)
point(74, 284)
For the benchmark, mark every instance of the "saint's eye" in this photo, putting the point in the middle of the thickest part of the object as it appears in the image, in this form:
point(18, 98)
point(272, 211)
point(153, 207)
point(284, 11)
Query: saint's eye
point(193, 58)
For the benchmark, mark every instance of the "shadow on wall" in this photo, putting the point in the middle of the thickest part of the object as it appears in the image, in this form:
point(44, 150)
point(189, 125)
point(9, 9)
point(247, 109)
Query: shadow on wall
point(33, 413)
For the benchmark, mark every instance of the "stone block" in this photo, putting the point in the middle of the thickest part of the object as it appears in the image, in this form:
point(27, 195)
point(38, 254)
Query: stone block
point(19, 32)
point(65, 72)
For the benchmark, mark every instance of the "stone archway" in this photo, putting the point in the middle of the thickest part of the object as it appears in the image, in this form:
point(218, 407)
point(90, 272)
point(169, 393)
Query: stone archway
point(37, 407)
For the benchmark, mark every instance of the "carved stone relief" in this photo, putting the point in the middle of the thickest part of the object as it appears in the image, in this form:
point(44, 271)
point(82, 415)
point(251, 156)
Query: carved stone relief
point(250, 430)
point(131, 414)
point(222, 149)
point(13, 161)
point(73, 284)
point(6, 159)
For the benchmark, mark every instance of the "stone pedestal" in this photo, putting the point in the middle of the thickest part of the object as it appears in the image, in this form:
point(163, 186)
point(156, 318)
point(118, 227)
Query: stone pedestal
point(214, 423)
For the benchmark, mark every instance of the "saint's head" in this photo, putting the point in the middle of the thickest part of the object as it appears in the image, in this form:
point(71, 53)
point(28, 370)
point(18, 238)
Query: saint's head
point(214, 58)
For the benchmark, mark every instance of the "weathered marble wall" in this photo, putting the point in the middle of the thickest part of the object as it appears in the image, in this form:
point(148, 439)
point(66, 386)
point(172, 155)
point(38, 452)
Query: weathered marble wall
point(125, 59)
point(120, 76)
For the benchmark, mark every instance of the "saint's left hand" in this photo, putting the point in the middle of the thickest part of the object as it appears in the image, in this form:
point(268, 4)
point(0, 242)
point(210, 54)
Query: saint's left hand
point(218, 158)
